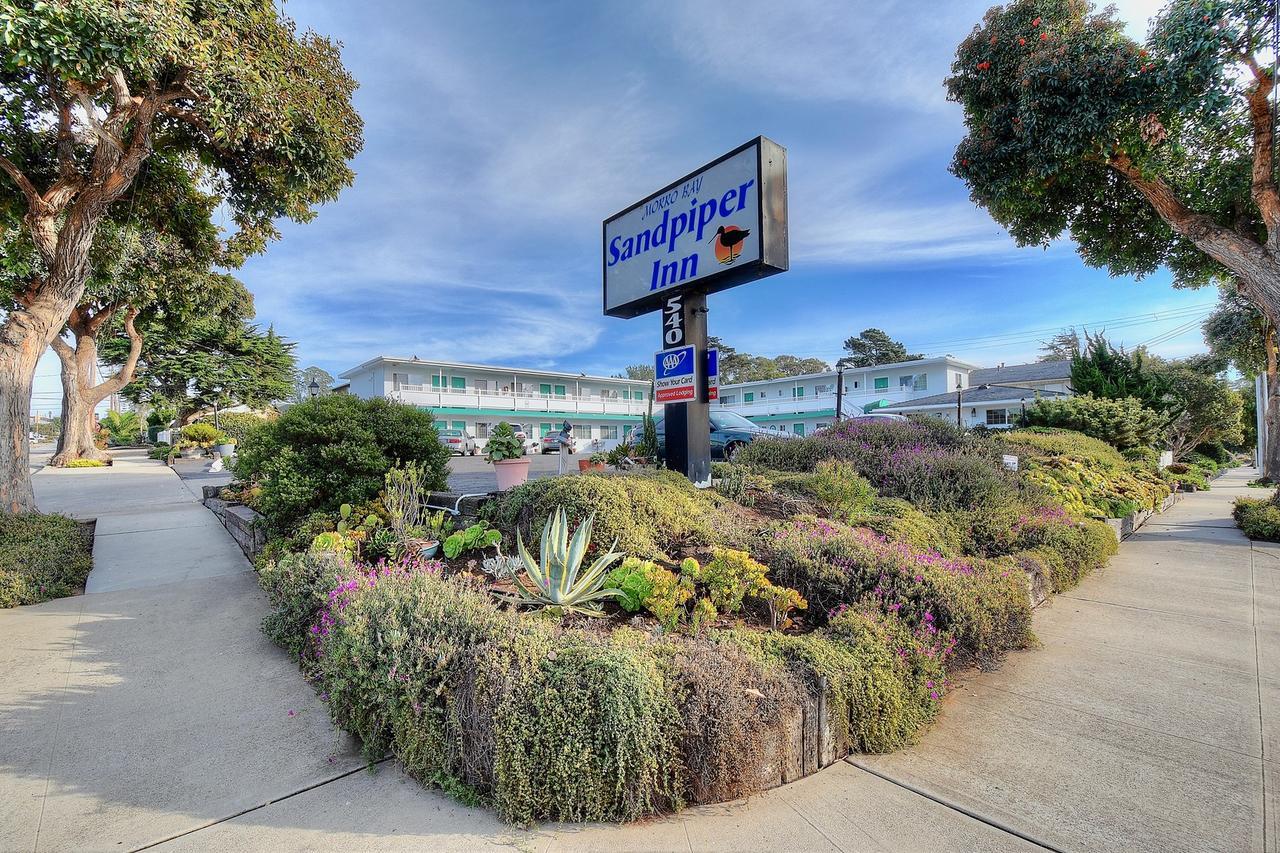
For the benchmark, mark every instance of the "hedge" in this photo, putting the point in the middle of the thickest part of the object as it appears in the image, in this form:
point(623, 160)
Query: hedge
point(42, 557)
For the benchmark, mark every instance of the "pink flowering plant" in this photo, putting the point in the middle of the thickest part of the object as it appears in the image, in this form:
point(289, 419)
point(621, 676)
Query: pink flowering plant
point(968, 606)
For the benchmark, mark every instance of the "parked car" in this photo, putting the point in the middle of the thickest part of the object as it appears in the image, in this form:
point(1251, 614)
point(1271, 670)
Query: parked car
point(550, 443)
point(458, 441)
point(730, 432)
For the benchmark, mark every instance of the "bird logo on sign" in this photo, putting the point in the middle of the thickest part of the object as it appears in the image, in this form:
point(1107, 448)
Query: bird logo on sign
point(728, 242)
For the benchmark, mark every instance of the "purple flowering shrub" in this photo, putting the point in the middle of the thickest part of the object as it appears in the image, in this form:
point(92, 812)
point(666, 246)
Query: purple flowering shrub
point(931, 464)
point(969, 607)
point(1068, 548)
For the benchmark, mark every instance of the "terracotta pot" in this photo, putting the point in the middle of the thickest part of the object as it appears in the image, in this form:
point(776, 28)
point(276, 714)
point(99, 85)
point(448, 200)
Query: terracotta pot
point(588, 465)
point(511, 472)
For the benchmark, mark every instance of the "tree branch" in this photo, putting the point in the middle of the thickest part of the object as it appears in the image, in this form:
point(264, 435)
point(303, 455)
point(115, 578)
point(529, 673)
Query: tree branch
point(1263, 188)
point(35, 204)
point(124, 375)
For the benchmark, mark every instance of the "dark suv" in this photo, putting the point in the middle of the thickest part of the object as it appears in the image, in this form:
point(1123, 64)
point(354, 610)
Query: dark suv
point(730, 432)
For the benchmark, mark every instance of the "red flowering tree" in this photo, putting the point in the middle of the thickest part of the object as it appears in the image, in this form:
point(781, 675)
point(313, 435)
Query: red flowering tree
point(1147, 155)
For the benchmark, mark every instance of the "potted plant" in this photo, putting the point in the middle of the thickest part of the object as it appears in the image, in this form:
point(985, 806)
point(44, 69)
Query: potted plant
point(594, 462)
point(224, 445)
point(506, 451)
point(201, 435)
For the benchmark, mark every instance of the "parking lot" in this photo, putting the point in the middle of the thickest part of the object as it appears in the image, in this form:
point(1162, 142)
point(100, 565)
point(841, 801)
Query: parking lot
point(469, 474)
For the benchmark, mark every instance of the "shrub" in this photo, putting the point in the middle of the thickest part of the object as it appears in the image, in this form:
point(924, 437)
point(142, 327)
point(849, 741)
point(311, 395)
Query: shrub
point(1122, 423)
point(236, 426)
point(1069, 549)
point(898, 521)
point(884, 683)
point(1258, 518)
point(123, 427)
point(839, 490)
point(201, 433)
point(976, 607)
point(297, 587)
point(335, 449)
point(861, 442)
point(1087, 476)
point(160, 452)
point(42, 557)
point(648, 513)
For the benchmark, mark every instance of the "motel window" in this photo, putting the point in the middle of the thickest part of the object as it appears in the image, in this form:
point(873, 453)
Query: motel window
point(798, 391)
point(436, 380)
point(626, 432)
point(545, 389)
point(822, 425)
point(482, 429)
point(459, 383)
point(819, 390)
point(855, 383)
point(481, 384)
point(626, 393)
point(582, 430)
point(639, 395)
point(559, 390)
point(399, 380)
point(609, 431)
point(798, 429)
point(441, 425)
point(728, 399)
point(749, 397)
point(882, 383)
point(922, 382)
point(458, 425)
point(997, 417)
point(907, 381)
point(544, 429)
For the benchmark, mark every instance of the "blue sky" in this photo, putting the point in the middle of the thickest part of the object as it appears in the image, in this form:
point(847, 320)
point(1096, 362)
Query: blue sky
point(499, 135)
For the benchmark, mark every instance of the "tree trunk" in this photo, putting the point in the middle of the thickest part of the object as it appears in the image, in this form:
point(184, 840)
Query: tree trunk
point(25, 333)
point(79, 395)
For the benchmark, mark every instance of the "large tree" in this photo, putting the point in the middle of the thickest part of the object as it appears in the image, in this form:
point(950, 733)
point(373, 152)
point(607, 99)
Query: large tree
point(1148, 155)
point(302, 383)
point(90, 89)
point(872, 347)
point(736, 366)
point(198, 356)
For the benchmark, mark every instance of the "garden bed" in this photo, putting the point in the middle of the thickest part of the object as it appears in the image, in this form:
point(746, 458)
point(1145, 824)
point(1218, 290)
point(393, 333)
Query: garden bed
point(817, 602)
point(43, 557)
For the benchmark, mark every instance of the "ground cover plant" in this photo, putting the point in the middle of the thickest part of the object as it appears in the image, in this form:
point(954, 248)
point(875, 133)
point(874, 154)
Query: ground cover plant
point(1258, 518)
point(42, 557)
point(619, 644)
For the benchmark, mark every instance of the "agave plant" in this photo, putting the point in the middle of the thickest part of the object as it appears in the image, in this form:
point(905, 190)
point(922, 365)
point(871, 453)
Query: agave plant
point(557, 581)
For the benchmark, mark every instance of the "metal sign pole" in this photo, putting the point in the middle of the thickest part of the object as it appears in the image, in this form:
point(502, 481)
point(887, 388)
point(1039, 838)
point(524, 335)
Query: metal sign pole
point(687, 426)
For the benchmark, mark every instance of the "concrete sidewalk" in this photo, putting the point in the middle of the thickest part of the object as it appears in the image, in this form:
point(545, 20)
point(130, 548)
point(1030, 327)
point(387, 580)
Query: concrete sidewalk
point(156, 712)
point(151, 704)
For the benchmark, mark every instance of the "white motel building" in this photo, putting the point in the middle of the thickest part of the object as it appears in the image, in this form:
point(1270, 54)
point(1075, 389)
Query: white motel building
point(608, 410)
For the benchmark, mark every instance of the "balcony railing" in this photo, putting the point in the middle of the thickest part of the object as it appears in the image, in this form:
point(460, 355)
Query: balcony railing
point(517, 401)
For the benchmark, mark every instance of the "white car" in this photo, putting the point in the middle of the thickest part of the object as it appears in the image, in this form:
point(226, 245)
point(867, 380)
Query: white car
point(458, 441)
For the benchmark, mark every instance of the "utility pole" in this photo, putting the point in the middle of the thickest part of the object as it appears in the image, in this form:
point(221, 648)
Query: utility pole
point(959, 401)
point(839, 390)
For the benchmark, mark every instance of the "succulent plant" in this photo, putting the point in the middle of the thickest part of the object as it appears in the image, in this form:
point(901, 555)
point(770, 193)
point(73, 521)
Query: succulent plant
point(557, 581)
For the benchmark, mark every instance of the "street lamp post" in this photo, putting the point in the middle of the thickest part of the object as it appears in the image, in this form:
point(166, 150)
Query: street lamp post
point(959, 401)
point(314, 388)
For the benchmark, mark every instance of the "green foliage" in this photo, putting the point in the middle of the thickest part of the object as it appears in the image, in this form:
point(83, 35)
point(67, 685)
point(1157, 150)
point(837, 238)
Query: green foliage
point(476, 537)
point(124, 427)
point(731, 576)
point(872, 346)
point(635, 580)
point(503, 444)
point(336, 449)
point(898, 521)
point(619, 454)
point(297, 587)
point(1123, 423)
point(1258, 518)
point(237, 425)
point(42, 557)
point(557, 581)
point(1087, 476)
point(160, 451)
point(647, 513)
point(648, 447)
point(841, 491)
point(85, 463)
point(201, 433)
point(978, 605)
point(1104, 372)
point(1207, 409)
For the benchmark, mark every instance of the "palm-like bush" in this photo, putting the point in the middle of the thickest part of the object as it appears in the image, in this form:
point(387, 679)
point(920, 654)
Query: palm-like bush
point(123, 427)
point(557, 580)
